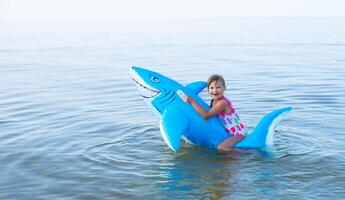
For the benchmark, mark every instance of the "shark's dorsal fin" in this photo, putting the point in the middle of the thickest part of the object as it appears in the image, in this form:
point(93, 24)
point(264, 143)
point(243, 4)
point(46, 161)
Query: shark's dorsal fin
point(197, 86)
point(173, 123)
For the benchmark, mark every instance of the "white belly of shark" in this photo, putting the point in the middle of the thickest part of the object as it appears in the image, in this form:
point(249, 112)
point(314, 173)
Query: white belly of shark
point(179, 120)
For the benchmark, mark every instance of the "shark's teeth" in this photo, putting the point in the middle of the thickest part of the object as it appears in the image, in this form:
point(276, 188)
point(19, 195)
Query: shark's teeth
point(145, 91)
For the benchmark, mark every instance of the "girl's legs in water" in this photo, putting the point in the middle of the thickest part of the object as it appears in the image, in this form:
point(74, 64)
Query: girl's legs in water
point(229, 143)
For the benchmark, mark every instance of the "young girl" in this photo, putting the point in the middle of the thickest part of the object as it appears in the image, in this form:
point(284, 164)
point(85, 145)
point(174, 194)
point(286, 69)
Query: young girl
point(222, 107)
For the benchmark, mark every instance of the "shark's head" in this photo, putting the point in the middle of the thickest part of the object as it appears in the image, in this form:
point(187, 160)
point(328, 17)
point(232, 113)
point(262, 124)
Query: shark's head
point(155, 88)
point(148, 82)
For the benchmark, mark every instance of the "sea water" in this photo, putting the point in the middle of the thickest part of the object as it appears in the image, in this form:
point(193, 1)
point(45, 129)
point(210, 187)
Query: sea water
point(72, 125)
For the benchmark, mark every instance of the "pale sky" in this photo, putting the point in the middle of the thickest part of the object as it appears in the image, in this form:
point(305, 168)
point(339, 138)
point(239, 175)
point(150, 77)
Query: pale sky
point(50, 10)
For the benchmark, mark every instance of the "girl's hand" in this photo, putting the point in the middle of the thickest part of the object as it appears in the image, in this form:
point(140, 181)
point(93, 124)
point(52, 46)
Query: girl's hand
point(188, 99)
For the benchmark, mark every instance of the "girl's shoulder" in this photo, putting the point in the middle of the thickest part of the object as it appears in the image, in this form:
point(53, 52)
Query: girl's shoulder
point(225, 100)
point(220, 101)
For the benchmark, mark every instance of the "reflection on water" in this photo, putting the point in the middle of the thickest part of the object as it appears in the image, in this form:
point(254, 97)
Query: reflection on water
point(73, 126)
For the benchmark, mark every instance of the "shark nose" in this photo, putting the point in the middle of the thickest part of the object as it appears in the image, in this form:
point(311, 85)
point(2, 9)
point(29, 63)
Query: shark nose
point(135, 68)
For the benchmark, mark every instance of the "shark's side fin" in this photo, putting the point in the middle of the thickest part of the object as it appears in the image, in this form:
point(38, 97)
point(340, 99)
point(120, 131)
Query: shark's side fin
point(197, 87)
point(173, 123)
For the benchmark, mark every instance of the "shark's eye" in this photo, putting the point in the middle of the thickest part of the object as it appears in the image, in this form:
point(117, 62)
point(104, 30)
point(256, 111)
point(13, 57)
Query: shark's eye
point(154, 79)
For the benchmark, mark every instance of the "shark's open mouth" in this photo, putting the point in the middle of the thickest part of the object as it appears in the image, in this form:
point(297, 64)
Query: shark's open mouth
point(146, 91)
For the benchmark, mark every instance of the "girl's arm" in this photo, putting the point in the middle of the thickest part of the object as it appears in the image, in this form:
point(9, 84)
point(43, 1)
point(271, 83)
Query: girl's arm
point(215, 110)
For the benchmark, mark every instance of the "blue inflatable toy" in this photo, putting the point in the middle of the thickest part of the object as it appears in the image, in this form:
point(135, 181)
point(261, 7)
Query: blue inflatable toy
point(179, 120)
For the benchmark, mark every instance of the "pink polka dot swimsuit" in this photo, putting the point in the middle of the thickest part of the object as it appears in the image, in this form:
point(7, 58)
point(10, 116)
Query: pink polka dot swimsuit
point(231, 120)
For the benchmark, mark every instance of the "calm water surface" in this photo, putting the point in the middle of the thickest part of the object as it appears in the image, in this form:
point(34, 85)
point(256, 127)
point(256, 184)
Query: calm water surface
point(72, 125)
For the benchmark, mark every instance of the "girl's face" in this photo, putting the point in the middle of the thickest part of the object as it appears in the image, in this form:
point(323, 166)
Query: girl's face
point(216, 90)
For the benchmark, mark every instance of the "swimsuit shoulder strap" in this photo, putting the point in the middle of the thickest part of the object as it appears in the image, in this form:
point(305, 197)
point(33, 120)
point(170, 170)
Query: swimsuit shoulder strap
point(227, 101)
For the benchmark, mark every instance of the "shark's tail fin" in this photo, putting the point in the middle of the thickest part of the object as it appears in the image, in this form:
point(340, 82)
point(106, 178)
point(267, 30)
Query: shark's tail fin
point(263, 133)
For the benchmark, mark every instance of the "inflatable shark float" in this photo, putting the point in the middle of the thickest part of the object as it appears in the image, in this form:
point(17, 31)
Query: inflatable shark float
point(179, 120)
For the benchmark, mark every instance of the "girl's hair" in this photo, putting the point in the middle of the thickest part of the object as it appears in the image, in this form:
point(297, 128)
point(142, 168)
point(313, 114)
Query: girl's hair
point(215, 77)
